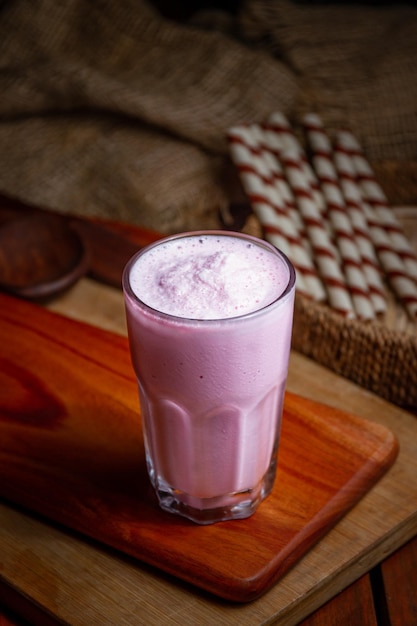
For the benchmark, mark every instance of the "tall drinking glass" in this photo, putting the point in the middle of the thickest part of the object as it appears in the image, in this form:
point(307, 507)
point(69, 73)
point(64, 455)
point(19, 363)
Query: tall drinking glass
point(209, 318)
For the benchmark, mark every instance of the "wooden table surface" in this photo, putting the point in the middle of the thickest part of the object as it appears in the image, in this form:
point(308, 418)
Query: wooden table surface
point(50, 571)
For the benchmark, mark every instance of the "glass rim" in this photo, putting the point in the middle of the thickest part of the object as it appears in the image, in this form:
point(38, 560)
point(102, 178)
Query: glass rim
point(127, 288)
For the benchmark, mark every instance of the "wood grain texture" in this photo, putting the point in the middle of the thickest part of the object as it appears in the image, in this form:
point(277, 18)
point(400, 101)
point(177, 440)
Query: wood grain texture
point(71, 449)
point(353, 606)
point(399, 582)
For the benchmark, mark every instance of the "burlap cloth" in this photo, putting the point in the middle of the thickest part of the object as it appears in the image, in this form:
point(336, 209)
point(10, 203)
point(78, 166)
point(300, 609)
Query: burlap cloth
point(108, 108)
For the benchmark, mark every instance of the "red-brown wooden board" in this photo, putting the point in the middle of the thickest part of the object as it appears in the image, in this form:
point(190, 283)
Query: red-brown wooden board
point(71, 450)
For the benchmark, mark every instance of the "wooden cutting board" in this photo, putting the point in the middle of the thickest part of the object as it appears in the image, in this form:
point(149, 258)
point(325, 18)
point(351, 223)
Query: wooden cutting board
point(71, 450)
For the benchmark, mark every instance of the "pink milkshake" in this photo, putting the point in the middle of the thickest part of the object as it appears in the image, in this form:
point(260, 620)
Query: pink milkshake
point(209, 319)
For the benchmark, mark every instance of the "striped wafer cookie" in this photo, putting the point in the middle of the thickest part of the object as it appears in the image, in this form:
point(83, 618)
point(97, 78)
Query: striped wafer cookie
point(322, 158)
point(391, 259)
point(270, 208)
point(271, 147)
point(279, 130)
point(353, 200)
point(324, 252)
point(375, 196)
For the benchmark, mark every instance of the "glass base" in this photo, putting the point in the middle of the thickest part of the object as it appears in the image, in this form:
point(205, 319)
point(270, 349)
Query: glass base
point(239, 505)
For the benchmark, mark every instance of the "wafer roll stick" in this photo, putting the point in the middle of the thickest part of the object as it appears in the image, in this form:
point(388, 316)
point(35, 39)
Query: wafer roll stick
point(325, 257)
point(393, 264)
point(255, 177)
point(375, 196)
point(277, 126)
point(322, 158)
point(270, 209)
point(403, 286)
point(270, 149)
point(353, 200)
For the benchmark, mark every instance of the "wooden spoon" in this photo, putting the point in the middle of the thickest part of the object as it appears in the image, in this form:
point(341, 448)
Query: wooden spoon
point(40, 256)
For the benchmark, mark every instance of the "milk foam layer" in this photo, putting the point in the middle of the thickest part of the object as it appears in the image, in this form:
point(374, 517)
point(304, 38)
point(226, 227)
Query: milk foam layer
point(208, 277)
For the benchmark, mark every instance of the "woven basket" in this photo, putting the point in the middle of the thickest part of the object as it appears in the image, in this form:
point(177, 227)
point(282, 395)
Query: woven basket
point(372, 355)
